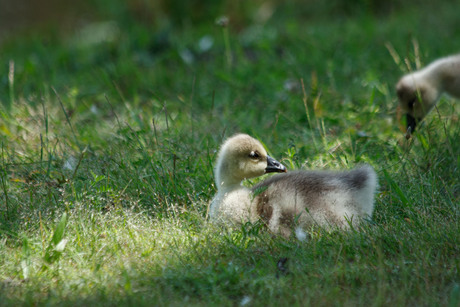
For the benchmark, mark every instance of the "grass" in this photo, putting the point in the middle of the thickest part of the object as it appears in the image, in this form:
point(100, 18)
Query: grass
point(109, 134)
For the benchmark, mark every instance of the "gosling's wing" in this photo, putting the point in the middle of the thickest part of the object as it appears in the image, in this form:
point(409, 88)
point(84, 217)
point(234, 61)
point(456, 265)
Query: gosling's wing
point(319, 189)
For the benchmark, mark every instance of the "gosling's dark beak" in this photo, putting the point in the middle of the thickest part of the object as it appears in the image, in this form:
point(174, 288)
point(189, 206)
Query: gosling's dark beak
point(274, 166)
point(411, 122)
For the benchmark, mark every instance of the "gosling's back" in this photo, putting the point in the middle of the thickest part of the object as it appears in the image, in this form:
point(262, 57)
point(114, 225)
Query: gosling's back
point(316, 197)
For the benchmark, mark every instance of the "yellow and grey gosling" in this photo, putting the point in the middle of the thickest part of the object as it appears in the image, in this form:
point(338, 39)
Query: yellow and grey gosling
point(286, 201)
point(418, 92)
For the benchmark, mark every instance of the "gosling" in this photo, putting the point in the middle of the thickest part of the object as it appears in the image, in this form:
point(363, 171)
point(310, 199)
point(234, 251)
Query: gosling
point(419, 91)
point(285, 202)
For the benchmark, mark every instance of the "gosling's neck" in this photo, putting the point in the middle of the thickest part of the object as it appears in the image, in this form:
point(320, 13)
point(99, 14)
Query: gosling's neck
point(225, 180)
point(225, 185)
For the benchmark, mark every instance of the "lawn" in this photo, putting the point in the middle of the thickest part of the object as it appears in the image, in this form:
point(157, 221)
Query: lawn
point(110, 124)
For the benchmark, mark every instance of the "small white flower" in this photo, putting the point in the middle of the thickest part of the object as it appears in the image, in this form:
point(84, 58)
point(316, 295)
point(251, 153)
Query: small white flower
point(187, 56)
point(300, 234)
point(222, 21)
point(205, 43)
point(70, 164)
point(94, 109)
point(246, 300)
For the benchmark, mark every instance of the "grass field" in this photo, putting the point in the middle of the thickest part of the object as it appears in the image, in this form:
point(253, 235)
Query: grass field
point(109, 131)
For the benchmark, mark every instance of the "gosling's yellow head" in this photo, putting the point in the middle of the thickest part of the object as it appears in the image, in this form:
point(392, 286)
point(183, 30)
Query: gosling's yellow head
point(242, 157)
point(416, 99)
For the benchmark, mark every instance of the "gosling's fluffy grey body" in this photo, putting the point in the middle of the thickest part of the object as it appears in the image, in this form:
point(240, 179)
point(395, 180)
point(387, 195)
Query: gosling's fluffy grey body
point(309, 198)
point(284, 201)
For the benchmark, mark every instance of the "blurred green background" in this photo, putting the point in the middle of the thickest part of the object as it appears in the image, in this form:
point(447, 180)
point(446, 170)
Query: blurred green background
point(113, 111)
point(143, 46)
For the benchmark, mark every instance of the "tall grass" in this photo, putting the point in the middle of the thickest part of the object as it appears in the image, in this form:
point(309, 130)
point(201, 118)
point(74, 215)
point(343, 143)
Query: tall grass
point(107, 153)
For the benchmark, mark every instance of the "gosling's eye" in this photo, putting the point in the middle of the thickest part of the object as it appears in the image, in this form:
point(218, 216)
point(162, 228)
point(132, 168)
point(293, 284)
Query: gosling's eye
point(254, 155)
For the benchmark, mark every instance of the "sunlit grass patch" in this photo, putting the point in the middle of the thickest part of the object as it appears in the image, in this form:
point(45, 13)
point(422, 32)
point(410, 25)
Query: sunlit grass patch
point(120, 136)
